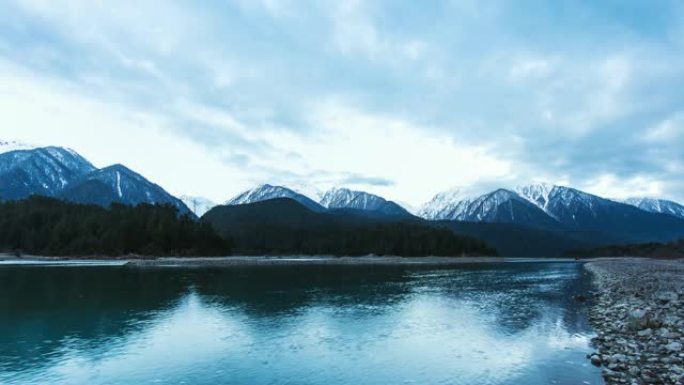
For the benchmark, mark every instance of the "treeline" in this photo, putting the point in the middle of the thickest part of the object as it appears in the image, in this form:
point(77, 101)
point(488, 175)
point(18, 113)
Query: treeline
point(45, 226)
point(397, 239)
point(674, 249)
point(283, 226)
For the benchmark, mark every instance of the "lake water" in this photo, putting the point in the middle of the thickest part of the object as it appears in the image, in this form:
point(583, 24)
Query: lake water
point(513, 323)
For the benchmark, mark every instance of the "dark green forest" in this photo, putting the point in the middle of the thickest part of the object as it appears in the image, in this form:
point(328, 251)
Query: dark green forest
point(46, 226)
point(283, 226)
point(674, 250)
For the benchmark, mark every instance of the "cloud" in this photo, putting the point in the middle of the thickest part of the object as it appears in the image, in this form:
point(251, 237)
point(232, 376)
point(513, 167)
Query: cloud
point(360, 180)
point(403, 99)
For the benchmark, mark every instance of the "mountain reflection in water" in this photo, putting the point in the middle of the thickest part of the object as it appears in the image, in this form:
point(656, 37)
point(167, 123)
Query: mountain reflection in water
point(475, 324)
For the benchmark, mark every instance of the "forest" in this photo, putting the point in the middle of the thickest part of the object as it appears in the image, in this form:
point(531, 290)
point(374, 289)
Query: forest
point(283, 226)
point(46, 226)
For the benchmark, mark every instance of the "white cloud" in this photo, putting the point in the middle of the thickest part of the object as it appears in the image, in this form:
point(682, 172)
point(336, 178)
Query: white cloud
point(48, 112)
point(292, 92)
point(667, 131)
point(354, 32)
point(421, 165)
point(611, 186)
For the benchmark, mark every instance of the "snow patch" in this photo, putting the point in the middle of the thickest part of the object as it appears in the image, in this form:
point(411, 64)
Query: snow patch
point(118, 184)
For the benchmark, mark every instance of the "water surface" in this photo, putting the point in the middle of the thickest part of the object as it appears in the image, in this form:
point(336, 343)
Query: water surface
point(513, 323)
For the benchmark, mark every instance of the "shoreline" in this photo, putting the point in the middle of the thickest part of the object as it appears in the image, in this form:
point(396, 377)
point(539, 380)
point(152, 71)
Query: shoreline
point(639, 319)
point(230, 261)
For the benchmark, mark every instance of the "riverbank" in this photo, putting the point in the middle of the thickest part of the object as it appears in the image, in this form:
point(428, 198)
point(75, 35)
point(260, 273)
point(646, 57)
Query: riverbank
point(639, 318)
point(6, 259)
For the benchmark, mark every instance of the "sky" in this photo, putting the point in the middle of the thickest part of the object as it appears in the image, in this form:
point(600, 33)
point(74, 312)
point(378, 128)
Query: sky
point(402, 99)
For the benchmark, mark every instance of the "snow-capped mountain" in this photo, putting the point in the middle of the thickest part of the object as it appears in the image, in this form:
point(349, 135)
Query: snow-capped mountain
point(198, 205)
point(342, 198)
point(575, 208)
point(556, 207)
point(119, 184)
point(661, 206)
point(442, 205)
point(42, 171)
point(267, 191)
point(504, 206)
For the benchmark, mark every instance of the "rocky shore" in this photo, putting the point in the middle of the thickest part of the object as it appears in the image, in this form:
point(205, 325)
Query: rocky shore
point(639, 318)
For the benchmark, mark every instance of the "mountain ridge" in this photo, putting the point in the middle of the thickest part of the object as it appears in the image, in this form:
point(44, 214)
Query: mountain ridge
point(119, 184)
point(62, 173)
point(655, 205)
point(344, 198)
point(266, 191)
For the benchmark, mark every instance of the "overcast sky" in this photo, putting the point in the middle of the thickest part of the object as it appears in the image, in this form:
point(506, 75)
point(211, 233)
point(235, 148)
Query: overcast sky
point(404, 99)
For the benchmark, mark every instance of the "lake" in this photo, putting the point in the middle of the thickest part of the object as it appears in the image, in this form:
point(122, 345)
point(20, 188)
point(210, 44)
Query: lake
point(505, 323)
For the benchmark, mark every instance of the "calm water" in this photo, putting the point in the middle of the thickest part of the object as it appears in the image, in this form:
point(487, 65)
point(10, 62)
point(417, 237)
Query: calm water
point(491, 324)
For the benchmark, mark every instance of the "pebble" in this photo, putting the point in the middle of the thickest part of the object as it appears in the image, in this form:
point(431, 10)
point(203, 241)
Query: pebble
point(639, 319)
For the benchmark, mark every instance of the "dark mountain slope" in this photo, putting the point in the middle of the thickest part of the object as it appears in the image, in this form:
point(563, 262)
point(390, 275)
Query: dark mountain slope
point(285, 226)
point(513, 240)
point(41, 171)
point(118, 184)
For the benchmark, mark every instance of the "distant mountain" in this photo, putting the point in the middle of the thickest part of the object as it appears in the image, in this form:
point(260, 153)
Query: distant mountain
point(500, 206)
point(118, 184)
point(342, 198)
point(657, 206)
point(442, 205)
point(198, 205)
point(578, 210)
point(285, 226)
point(62, 173)
point(41, 171)
point(266, 192)
point(552, 207)
point(573, 208)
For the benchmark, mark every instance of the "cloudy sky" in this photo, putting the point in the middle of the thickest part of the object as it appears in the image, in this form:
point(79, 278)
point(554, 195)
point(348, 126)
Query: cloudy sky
point(404, 99)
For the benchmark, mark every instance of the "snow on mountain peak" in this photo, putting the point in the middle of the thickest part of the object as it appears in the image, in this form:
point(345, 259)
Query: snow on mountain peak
point(538, 194)
point(444, 203)
point(266, 191)
point(340, 197)
point(655, 205)
point(344, 198)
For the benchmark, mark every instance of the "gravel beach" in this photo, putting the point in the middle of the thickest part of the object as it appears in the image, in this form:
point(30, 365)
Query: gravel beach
point(639, 318)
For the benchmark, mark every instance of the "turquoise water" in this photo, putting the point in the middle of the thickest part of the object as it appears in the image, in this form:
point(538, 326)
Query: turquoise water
point(510, 323)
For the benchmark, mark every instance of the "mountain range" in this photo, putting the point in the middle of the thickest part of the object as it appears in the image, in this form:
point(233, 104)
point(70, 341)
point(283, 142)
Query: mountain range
point(543, 213)
point(336, 199)
point(544, 206)
point(62, 173)
point(661, 206)
point(532, 220)
point(285, 226)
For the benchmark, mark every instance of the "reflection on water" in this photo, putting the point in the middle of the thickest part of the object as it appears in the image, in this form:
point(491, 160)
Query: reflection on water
point(479, 324)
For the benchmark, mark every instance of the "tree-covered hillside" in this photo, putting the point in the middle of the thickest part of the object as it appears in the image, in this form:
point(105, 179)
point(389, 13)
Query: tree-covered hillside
point(284, 226)
point(46, 226)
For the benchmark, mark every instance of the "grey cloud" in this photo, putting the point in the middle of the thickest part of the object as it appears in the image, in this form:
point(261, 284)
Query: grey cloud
point(355, 179)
